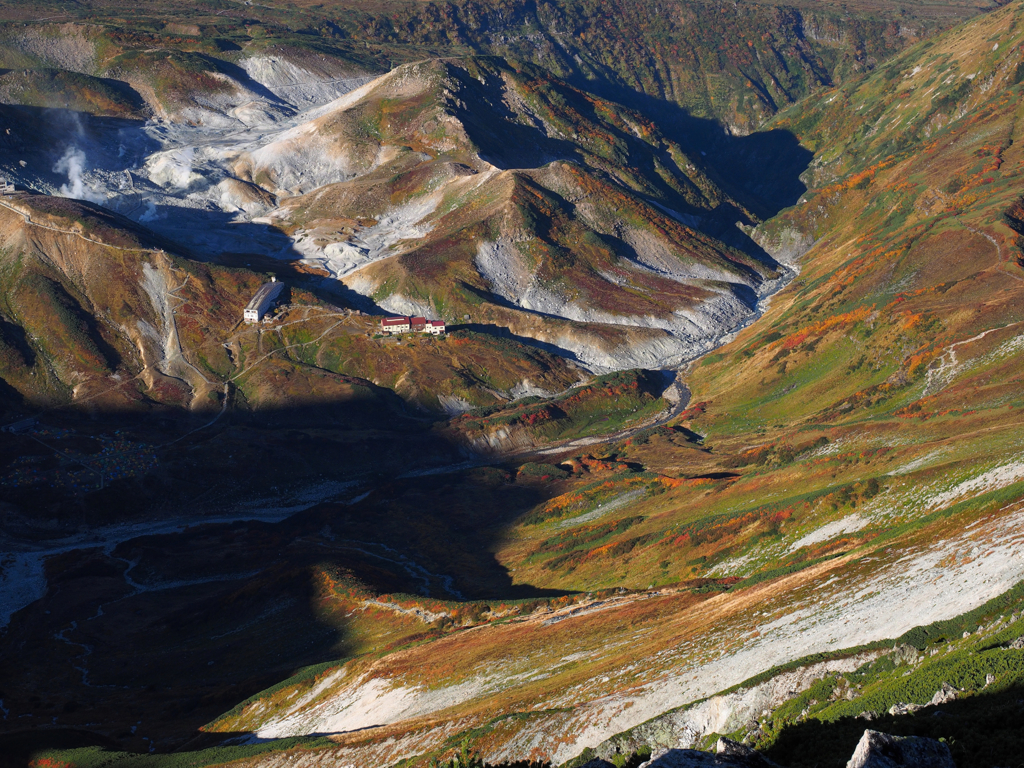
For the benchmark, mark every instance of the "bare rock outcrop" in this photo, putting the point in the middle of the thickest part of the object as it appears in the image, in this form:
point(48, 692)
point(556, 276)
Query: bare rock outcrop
point(944, 695)
point(882, 750)
point(904, 709)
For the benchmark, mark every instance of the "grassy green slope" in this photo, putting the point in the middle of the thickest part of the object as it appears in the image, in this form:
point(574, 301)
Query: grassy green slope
point(893, 362)
point(918, 181)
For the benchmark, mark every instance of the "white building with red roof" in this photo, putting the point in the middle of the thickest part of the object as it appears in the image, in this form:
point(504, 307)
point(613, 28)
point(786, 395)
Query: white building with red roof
point(396, 324)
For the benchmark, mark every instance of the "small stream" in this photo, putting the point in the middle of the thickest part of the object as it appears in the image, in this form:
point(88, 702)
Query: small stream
point(22, 571)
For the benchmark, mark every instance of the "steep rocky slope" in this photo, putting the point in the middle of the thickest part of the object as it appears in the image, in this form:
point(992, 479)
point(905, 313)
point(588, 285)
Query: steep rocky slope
point(476, 188)
point(954, 680)
point(86, 307)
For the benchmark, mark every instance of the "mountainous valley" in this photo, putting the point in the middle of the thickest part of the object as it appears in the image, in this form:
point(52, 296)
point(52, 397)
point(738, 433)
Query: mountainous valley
point(723, 437)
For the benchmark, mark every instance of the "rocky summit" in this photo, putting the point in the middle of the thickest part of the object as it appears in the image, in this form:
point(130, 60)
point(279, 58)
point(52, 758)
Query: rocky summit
point(511, 384)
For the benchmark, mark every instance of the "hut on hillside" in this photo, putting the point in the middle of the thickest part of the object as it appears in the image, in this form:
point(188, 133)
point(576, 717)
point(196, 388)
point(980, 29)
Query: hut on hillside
point(266, 297)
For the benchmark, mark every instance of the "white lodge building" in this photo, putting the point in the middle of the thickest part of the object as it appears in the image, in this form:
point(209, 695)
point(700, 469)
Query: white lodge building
point(401, 324)
point(261, 303)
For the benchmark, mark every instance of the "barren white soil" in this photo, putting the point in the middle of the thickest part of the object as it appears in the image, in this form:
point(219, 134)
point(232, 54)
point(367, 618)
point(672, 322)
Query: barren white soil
point(1000, 477)
point(373, 701)
point(177, 174)
point(688, 332)
point(295, 85)
point(602, 509)
point(829, 531)
point(370, 244)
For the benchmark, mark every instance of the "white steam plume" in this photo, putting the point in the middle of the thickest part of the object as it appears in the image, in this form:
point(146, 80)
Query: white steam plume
point(73, 164)
point(150, 214)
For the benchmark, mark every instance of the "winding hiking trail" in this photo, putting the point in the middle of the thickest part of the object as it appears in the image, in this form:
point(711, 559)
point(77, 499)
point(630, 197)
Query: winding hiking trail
point(995, 244)
point(938, 377)
point(29, 220)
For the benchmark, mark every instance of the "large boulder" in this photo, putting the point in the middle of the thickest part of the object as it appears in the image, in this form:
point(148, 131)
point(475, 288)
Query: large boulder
point(944, 695)
point(882, 750)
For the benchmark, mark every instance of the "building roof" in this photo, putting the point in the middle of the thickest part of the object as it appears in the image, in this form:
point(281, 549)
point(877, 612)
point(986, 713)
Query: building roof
point(415, 322)
point(266, 292)
point(20, 426)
